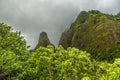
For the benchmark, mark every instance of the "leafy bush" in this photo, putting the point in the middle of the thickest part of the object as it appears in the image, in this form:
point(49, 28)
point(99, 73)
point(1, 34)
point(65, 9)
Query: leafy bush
point(11, 41)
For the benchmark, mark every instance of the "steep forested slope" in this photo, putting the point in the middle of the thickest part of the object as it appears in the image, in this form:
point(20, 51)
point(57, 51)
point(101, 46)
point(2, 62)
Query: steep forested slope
point(94, 32)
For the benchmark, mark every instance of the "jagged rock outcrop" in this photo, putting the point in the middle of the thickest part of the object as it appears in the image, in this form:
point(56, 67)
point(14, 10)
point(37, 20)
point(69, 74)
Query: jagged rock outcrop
point(94, 32)
point(43, 40)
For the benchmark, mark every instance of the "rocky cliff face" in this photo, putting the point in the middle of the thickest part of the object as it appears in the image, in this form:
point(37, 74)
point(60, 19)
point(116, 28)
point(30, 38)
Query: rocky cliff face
point(94, 32)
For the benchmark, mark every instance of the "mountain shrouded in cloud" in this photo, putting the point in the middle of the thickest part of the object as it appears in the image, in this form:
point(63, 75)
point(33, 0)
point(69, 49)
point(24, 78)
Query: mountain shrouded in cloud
point(52, 16)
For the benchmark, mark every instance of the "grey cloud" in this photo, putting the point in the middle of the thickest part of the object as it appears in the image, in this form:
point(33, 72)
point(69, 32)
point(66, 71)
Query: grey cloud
point(53, 16)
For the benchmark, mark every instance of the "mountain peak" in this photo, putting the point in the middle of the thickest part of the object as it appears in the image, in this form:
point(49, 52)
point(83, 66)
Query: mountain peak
point(43, 40)
point(94, 32)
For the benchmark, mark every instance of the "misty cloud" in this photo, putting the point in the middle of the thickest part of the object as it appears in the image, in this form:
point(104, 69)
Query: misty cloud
point(53, 16)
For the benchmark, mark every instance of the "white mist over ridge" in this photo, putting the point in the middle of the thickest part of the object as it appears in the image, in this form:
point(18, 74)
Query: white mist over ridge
point(32, 17)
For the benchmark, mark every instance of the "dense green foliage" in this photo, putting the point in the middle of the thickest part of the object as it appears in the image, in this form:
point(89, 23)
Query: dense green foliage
point(56, 64)
point(95, 32)
point(13, 50)
point(11, 41)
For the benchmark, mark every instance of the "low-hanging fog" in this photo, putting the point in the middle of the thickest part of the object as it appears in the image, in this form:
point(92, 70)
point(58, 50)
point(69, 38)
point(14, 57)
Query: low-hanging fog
point(52, 16)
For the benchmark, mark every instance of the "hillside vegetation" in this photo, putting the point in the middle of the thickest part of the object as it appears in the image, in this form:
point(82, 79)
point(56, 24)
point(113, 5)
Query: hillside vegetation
point(95, 32)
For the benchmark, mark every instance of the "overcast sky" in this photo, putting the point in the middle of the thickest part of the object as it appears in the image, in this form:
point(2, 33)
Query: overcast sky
point(52, 16)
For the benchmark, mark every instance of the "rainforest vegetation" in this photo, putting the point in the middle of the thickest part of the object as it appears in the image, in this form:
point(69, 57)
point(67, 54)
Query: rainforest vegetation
point(88, 50)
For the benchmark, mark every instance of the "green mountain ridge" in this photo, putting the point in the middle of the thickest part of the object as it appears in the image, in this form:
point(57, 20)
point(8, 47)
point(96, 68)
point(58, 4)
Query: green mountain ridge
point(94, 32)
